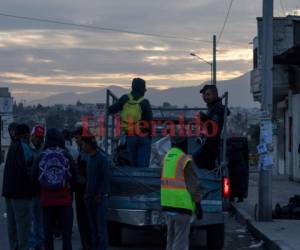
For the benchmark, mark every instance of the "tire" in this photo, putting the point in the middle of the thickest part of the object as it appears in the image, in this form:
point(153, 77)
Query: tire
point(215, 236)
point(114, 233)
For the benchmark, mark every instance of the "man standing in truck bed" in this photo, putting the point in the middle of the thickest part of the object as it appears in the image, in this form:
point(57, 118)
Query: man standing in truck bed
point(135, 108)
point(209, 149)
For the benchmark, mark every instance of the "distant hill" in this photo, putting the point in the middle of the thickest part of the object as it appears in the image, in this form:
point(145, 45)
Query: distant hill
point(238, 88)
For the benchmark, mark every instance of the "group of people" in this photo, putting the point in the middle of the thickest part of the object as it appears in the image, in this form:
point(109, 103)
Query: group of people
point(44, 169)
point(42, 172)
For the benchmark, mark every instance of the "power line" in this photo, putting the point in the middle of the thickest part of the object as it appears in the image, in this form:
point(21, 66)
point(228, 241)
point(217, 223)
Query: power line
point(108, 29)
point(225, 21)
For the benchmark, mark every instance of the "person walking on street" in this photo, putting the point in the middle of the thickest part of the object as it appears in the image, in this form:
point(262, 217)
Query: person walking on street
point(135, 108)
point(81, 211)
point(17, 189)
point(180, 194)
point(37, 233)
point(54, 178)
point(97, 192)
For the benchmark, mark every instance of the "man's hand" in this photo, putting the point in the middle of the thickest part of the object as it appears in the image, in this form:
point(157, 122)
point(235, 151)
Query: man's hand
point(199, 211)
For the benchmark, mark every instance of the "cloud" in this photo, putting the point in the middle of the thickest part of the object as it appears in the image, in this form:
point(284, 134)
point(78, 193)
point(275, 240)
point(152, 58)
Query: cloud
point(40, 54)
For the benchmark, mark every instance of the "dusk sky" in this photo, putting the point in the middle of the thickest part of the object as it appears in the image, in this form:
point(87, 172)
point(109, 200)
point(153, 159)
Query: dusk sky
point(63, 59)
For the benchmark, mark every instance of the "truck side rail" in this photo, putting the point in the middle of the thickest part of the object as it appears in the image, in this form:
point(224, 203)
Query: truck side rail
point(110, 127)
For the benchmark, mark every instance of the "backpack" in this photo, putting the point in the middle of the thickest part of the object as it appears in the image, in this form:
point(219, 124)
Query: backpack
point(132, 109)
point(54, 169)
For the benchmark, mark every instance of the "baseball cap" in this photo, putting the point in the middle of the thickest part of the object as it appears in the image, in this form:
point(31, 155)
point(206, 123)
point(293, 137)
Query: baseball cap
point(38, 131)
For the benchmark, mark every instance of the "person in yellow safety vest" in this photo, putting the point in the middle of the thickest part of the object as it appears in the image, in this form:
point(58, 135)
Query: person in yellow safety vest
point(180, 194)
point(134, 108)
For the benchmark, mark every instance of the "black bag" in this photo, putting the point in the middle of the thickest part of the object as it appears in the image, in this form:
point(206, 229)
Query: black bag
point(290, 211)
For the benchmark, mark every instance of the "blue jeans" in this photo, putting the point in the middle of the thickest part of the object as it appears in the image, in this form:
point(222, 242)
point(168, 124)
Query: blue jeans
point(36, 238)
point(139, 149)
point(97, 213)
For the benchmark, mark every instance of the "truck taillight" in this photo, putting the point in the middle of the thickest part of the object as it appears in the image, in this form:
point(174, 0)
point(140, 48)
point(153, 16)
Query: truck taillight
point(226, 187)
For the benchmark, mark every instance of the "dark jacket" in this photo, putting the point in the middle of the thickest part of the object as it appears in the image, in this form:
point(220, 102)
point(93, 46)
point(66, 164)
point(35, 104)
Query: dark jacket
point(16, 177)
point(62, 197)
point(98, 175)
point(145, 106)
point(81, 171)
point(210, 150)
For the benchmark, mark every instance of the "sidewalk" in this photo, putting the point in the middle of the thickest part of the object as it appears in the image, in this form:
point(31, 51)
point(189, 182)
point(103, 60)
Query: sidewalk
point(278, 234)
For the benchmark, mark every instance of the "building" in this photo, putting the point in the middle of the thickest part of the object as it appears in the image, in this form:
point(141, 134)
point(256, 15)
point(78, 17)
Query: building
point(286, 91)
point(6, 114)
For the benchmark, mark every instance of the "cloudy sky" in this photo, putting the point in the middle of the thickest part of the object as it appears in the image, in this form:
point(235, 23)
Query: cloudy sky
point(39, 59)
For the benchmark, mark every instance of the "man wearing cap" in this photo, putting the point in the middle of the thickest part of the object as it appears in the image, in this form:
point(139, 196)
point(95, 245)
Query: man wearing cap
point(208, 152)
point(135, 108)
point(180, 194)
point(37, 235)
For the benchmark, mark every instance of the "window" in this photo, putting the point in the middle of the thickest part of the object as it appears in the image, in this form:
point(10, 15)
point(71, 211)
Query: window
point(2, 156)
point(255, 58)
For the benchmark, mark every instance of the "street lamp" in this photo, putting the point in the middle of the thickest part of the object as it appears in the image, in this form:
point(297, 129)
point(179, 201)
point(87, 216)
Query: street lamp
point(207, 62)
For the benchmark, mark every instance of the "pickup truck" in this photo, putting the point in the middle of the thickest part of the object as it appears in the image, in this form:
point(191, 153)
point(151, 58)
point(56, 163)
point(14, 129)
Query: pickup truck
point(135, 197)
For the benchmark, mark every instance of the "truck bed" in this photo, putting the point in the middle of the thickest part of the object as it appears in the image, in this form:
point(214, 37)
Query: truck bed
point(137, 190)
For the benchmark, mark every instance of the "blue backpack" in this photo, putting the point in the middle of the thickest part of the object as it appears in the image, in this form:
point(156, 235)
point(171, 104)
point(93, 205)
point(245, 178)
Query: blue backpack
point(54, 169)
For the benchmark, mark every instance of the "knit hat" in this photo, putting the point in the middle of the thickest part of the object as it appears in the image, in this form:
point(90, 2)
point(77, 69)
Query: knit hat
point(138, 85)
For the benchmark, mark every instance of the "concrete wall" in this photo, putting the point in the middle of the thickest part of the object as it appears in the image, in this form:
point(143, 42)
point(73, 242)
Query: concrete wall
point(280, 155)
point(288, 155)
point(296, 136)
point(283, 37)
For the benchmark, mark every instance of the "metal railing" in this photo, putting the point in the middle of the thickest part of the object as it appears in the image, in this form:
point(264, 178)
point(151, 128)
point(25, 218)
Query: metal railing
point(110, 124)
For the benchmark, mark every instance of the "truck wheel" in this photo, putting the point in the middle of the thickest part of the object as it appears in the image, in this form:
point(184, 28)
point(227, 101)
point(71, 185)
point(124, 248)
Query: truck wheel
point(114, 233)
point(215, 236)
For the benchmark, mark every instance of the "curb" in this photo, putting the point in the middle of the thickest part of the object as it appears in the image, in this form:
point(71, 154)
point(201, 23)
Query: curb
point(244, 218)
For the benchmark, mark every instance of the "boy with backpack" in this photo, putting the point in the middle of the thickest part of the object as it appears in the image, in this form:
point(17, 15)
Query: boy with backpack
point(54, 177)
point(134, 109)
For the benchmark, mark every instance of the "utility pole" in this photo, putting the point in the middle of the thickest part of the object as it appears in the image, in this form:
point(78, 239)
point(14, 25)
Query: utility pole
point(214, 63)
point(266, 162)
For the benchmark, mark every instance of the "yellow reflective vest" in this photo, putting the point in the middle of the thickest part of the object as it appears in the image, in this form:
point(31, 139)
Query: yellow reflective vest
point(174, 193)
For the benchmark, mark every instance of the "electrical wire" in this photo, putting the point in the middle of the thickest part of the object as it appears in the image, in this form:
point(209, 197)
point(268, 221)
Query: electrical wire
point(225, 21)
point(107, 29)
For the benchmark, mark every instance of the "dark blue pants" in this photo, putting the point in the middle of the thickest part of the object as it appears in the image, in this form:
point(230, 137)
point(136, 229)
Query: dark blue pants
point(64, 215)
point(36, 238)
point(97, 213)
point(139, 149)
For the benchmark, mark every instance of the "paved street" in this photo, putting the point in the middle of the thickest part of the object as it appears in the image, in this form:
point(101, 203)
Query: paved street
point(237, 237)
